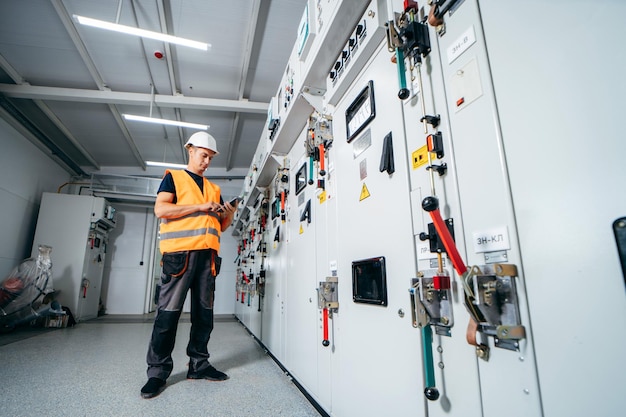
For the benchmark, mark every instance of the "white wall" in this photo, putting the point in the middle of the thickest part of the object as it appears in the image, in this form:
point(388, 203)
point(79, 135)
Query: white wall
point(127, 267)
point(26, 173)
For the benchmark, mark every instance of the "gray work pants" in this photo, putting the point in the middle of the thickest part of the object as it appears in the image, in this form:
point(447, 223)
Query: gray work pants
point(183, 271)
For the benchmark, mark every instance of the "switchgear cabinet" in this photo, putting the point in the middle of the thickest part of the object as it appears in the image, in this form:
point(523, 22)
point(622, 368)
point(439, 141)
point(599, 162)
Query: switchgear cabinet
point(76, 227)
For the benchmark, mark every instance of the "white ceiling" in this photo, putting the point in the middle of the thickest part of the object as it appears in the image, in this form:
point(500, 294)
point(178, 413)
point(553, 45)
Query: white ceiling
point(65, 85)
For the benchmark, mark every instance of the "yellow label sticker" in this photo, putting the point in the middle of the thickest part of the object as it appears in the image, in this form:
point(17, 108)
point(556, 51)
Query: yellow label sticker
point(364, 193)
point(301, 229)
point(420, 157)
point(322, 196)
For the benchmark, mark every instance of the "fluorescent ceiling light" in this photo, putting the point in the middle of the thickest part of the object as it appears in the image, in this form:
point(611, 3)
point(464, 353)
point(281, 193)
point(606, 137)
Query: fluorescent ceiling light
point(140, 32)
point(164, 121)
point(165, 164)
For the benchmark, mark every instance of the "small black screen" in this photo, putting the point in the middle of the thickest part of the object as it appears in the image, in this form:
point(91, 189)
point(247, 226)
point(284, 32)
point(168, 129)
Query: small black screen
point(276, 208)
point(369, 281)
point(301, 179)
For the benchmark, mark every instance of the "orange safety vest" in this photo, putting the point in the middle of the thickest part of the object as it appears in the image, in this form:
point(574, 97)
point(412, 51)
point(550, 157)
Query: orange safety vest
point(195, 231)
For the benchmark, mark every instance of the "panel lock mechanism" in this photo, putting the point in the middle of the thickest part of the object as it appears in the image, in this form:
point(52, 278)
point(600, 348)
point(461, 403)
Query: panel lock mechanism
point(328, 302)
point(431, 306)
point(433, 290)
point(494, 302)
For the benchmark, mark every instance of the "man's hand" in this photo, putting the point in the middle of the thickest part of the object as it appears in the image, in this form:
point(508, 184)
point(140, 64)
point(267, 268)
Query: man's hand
point(228, 212)
point(228, 208)
point(210, 206)
point(165, 209)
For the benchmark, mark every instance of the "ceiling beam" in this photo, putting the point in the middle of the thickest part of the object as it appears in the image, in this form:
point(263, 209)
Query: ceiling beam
point(132, 99)
point(165, 17)
point(95, 74)
point(78, 43)
point(236, 130)
point(17, 78)
point(26, 128)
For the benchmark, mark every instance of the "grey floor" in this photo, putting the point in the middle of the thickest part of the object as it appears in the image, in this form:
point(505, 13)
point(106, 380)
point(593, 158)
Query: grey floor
point(98, 367)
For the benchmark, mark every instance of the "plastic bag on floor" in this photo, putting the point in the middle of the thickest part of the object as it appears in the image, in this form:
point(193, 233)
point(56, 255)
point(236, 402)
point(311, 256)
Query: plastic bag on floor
point(23, 291)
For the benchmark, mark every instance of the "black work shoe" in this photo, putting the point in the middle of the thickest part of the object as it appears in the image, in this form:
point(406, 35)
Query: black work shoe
point(209, 373)
point(153, 387)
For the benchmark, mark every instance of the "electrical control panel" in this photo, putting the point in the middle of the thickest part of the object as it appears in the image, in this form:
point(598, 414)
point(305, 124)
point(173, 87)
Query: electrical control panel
point(407, 89)
point(103, 214)
point(366, 36)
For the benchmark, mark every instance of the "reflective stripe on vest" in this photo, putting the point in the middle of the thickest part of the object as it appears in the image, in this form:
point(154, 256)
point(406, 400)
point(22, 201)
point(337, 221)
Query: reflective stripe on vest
point(189, 233)
point(195, 231)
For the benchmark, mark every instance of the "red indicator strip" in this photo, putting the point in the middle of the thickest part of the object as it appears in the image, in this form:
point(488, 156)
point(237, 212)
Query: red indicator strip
point(429, 142)
point(441, 282)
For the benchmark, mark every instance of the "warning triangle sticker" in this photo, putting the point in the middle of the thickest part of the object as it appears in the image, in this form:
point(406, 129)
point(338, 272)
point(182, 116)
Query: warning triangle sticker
point(364, 193)
point(301, 229)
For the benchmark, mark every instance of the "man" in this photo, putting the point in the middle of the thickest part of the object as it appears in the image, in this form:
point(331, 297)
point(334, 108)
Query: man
point(193, 216)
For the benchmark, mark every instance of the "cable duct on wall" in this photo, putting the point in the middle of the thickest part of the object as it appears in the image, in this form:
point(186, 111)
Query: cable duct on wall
point(55, 151)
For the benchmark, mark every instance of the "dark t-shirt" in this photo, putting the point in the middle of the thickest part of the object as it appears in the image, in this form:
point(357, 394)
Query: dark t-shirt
point(167, 184)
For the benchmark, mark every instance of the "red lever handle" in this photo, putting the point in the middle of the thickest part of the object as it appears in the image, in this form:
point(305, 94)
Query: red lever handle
point(322, 160)
point(431, 205)
point(282, 202)
point(325, 342)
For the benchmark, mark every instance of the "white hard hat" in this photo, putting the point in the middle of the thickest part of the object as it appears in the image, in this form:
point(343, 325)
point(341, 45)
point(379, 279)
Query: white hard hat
point(203, 140)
